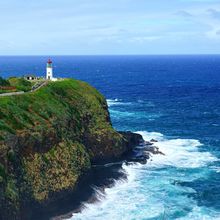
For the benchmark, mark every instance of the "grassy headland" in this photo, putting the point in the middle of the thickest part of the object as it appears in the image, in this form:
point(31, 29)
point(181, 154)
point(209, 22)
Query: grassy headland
point(48, 139)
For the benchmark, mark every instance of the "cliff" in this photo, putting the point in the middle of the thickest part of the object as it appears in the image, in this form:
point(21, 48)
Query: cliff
point(48, 141)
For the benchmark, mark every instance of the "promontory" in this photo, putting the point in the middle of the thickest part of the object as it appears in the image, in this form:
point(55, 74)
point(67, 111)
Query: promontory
point(49, 139)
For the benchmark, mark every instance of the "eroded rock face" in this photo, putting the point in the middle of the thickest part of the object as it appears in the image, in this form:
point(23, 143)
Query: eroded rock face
point(48, 141)
point(132, 139)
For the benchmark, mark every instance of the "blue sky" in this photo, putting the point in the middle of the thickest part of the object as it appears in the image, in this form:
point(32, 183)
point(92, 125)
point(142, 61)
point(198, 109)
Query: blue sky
point(83, 27)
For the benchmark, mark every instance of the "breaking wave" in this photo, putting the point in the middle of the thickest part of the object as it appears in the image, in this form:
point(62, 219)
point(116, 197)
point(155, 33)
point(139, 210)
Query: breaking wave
point(154, 190)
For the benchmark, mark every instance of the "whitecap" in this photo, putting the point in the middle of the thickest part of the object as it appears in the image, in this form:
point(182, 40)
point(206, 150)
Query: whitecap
point(136, 115)
point(114, 102)
point(202, 213)
point(178, 152)
point(215, 168)
point(151, 191)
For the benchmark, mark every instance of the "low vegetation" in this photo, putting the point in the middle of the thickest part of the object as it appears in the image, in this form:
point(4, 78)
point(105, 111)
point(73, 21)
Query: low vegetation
point(14, 84)
point(49, 138)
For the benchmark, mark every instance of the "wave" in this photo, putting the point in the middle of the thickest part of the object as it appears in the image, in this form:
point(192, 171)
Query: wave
point(151, 191)
point(118, 102)
point(112, 102)
point(121, 113)
point(136, 115)
point(215, 168)
point(178, 152)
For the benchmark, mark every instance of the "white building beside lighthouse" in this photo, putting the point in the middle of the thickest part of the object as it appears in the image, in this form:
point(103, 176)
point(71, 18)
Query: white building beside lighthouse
point(49, 74)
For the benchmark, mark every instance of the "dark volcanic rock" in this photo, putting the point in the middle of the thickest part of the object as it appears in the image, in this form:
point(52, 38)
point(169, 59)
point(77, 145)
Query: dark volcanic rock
point(49, 140)
point(132, 139)
point(153, 140)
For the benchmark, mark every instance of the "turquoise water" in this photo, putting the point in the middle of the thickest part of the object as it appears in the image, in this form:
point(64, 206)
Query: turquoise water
point(174, 99)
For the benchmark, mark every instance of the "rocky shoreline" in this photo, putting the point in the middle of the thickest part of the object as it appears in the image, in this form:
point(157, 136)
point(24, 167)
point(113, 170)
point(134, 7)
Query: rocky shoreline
point(50, 158)
point(104, 176)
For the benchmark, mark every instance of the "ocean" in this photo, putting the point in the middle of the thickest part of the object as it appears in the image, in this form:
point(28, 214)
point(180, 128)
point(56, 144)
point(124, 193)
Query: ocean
point(173, 99)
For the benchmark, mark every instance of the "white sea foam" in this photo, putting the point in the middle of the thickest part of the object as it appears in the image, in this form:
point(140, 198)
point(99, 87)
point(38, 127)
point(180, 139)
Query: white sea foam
point(215, 168)
point(150, 191)
point(117, 102)
point(112, 102)
point(202, 213)
point(178, 152)
point(116, 113)
point(134, 115)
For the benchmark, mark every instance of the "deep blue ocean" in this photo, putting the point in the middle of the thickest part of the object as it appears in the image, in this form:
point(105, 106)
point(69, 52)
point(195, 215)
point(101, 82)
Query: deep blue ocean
point(174, 99)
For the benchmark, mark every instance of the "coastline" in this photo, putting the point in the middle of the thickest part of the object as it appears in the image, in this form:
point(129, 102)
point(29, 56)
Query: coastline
point(165, 102)
point(100, 177)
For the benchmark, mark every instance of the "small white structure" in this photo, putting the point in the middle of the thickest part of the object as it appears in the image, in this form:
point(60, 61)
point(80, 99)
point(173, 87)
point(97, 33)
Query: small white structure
point(49, 75)
point(30, 77)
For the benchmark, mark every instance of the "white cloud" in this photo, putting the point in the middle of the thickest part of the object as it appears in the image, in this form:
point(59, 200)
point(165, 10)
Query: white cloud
point(214, 13)
point(184, 14)
point(85, 25)
point(144, 39)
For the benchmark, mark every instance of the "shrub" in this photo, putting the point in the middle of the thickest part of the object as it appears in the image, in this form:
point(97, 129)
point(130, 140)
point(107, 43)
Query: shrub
point(4, 82)
point(11, 155)
point(2, 171)
point(20, 83)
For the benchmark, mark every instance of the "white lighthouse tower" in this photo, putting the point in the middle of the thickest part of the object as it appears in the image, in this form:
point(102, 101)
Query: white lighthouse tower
point(49, 75)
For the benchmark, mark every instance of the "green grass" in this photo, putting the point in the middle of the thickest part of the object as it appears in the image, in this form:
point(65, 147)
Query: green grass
point(64, 99)
point(48, 127)
point(4, 82)
point(7, 91)
point(20, 84)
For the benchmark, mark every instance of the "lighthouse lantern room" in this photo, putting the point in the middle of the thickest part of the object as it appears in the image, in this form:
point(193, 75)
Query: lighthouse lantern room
point(49, 75)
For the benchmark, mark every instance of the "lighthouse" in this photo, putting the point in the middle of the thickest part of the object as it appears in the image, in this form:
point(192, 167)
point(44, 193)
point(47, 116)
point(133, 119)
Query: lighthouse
point(49, 75)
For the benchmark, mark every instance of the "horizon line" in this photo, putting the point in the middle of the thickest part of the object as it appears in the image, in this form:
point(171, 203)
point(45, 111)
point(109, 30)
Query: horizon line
point(54, 55)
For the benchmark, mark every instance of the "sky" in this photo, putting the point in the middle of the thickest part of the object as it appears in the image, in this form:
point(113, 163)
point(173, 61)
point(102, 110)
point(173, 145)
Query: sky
point(109, 27)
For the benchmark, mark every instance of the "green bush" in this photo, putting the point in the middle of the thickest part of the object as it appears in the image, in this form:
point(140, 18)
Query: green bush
point(2, 171)
point(11, 155)
point(4, 82)
point(20, 83)
point(11, 191)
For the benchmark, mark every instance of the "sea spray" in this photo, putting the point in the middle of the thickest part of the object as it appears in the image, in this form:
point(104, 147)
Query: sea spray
point(153, 191)
point(178, 152)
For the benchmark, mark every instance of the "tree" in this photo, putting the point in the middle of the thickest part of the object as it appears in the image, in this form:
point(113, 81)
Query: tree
point(4, 82)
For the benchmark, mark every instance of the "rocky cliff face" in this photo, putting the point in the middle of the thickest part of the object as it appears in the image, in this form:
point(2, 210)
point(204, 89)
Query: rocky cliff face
point(48, 140)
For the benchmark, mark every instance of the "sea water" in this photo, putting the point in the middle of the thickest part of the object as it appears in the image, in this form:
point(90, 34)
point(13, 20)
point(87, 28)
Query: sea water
point(173, 99)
